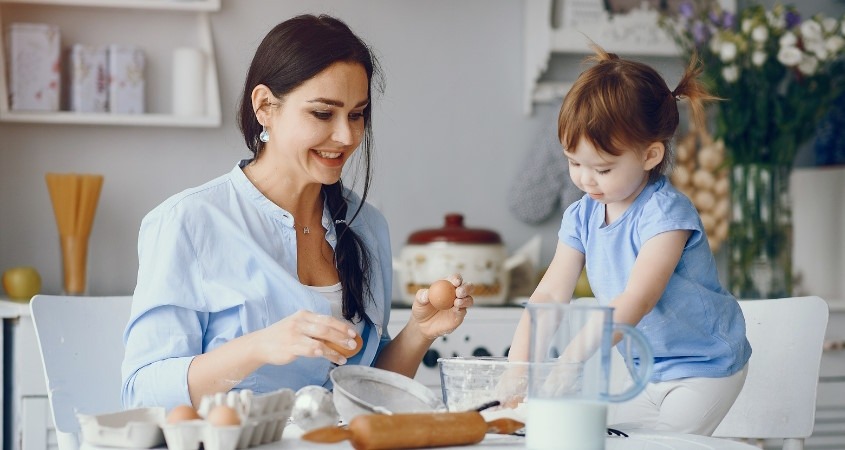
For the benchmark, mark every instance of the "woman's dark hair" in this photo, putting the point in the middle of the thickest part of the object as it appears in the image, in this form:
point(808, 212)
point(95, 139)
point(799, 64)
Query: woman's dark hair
point(293, 52)
point(621, 105)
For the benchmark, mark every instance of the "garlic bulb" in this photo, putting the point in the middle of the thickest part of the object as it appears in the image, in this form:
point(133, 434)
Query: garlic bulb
point(700, 174)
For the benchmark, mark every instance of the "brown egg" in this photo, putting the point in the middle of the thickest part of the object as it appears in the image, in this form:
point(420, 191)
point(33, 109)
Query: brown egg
point(441, 294)
point(223, 416)
point(182, 413)
point(346, 351)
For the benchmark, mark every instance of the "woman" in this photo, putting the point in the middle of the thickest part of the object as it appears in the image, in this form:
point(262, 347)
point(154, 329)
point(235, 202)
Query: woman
point(244, 281)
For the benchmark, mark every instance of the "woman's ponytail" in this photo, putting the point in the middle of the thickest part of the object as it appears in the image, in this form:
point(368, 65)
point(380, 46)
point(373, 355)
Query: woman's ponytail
point(351, 255)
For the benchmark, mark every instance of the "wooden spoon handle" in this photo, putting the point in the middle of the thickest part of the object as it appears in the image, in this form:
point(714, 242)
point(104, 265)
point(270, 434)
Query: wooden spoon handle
point(504, 426)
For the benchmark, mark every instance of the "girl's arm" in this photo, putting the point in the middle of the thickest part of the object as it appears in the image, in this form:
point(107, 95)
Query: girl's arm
point(557, 285)
point(655, 264)
point(651, 272)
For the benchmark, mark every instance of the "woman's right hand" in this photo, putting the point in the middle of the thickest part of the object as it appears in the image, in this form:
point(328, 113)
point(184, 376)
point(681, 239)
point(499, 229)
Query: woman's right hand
point(304, 333)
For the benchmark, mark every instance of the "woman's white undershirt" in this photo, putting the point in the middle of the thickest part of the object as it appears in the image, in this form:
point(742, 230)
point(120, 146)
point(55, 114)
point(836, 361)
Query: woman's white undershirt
point(334, 294)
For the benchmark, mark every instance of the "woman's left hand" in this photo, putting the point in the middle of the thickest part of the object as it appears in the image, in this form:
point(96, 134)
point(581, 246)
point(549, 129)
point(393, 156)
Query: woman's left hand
point(433, 322)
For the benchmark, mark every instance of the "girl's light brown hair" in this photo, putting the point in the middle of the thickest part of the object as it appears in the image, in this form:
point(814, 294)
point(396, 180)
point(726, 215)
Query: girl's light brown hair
point(620, 105)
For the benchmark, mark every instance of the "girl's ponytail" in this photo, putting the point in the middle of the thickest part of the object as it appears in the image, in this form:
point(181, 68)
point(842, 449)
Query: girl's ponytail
point(691, 88)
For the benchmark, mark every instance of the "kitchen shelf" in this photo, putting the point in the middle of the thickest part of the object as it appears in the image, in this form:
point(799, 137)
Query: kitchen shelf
point(548, 31)
point(129, 16)
point(75, 118)
point(176, 5)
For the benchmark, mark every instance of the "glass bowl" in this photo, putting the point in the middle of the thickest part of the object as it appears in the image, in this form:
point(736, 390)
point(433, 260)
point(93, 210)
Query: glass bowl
point(471, 383)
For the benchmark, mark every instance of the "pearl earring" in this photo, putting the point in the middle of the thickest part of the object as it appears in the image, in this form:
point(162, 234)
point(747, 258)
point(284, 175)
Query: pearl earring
point(264, 136)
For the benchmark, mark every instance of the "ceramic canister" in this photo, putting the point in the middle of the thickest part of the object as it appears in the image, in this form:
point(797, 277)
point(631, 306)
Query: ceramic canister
point(477, 254)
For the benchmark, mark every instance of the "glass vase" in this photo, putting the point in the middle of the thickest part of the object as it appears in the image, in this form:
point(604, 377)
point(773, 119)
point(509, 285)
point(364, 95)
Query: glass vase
point(760, 236)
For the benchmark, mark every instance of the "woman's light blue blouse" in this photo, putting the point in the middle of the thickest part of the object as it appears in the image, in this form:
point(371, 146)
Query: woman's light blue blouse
point(219, 261)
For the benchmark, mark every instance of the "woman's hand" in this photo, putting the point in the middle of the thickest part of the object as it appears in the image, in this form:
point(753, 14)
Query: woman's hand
point(434, 323)
point(304, 334)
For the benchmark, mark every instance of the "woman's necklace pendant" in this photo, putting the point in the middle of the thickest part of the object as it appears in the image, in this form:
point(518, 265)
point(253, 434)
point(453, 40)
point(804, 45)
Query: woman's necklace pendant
point(306, 230)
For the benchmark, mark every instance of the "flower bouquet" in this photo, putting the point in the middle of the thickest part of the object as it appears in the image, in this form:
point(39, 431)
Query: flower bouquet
point(777, 75)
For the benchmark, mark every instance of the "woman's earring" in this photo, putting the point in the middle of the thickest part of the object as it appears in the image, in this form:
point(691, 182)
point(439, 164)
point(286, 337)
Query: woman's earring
point(264, 136)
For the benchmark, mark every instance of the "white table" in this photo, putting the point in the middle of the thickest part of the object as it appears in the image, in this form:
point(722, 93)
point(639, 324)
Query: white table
point(637, 440)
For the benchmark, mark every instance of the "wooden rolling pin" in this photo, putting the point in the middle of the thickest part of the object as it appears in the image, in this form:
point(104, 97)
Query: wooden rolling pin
point(420, 430)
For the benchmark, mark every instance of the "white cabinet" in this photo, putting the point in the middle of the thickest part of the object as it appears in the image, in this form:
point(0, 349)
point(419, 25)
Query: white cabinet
point(486, 331)
point(156, 26)
point(27, 422)
point(829, 430)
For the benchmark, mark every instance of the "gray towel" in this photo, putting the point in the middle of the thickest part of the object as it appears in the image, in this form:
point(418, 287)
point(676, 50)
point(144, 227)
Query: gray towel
point(542, 187)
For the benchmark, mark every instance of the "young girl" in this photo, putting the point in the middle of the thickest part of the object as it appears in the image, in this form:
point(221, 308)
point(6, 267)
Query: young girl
point(643, 244)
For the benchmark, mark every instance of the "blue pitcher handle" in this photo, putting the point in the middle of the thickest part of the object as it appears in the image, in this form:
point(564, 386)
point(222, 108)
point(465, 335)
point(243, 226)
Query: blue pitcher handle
point(640, 375)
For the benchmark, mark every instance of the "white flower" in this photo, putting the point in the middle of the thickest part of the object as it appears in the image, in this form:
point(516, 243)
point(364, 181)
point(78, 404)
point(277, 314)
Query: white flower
point(834, 44)
point(727, 52)
point(789, 56)
point(746, 26)
point(760, 34)
point(788, 39)
point(758, 58)
point(808, 65)
point(829, 24)
point(715, 43)
point(776, 21)
point(730, 73)
point(819, 49)
point(810, 29)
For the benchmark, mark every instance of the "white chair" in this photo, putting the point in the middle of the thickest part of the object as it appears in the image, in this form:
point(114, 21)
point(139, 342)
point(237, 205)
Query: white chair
point(778, 400)
point(81, 344)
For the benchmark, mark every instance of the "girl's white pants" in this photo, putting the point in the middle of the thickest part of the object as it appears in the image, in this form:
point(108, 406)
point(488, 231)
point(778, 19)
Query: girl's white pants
point(687, 405)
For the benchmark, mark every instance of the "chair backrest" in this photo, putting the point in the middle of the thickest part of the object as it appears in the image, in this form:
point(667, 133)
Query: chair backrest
point(779, 396)
point(81, 344)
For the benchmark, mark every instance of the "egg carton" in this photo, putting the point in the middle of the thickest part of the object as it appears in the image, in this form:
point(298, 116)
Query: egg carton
point(133, 428)
point(262, 420)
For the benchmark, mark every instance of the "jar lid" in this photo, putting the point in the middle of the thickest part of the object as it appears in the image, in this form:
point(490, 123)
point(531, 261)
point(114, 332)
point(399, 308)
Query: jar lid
point(454, 231)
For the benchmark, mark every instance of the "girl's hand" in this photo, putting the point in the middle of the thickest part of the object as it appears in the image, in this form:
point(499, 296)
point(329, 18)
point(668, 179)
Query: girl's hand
point(303, 334)
point(434, 323)
point(512, 388)
point(565, 377)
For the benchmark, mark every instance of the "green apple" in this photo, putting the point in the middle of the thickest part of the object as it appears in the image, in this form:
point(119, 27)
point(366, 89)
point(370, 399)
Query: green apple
point(21, 283)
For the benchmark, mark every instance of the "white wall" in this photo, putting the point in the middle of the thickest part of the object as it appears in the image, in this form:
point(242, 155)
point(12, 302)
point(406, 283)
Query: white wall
point(449, 131)
point(818, 226)
point(449, 134)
